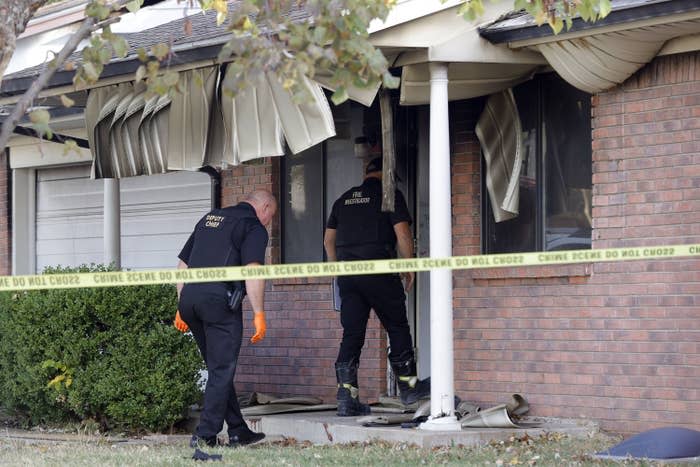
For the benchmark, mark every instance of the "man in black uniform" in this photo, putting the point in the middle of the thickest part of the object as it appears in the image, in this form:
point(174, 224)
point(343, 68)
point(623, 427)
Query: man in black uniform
point(231, 236)
point(357, 229)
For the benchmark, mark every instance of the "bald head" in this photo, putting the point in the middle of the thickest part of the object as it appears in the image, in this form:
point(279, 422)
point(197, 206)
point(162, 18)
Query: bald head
point(264, 203)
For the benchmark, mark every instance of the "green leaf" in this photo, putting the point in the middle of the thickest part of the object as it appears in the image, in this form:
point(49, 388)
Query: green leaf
point(220, 6)
point(120, 46)
point(43, 129)
point(557, 24)
point(540, 18)
point(90, 72)
point(377, 62)
point(605, 8)
point(96, 41)
point(70, 145)
point(134, 5)
point(390, 81)
point(296, 42)
point(142, 54)
point(340, 95)
point(56, 382)
point(585, 11)
point(320, 34)
point(160, 51)
point(67, 101)
point(39, 116)
point(140, 73)
point(478, 7)
point(49, 364)
point(97, 10)
point(569, 22)
point(314, 51)
point(152, 67)
point(107, 32)
point(472, 9)
point(104, 55)
point(520, 5)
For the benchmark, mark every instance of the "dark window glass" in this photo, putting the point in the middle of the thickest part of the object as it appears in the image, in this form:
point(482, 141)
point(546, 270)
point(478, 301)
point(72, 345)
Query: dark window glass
point(566, 152)
point(555, 179)
point(303, 206)
point(312, 181)
point(518, 234)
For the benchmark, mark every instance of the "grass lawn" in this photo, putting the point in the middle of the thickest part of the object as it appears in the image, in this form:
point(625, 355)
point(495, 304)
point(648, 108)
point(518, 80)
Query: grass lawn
point(554, 450)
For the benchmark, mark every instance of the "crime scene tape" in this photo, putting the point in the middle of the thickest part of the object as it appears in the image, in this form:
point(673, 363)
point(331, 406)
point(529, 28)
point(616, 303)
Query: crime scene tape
point(342, 268)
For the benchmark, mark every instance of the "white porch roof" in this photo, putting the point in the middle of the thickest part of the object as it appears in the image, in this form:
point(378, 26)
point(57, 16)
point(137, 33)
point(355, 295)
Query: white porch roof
point(592, 59)
point(476, 68)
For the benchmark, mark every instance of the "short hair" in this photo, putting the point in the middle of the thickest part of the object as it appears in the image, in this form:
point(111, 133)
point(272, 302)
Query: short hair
point(261, 197)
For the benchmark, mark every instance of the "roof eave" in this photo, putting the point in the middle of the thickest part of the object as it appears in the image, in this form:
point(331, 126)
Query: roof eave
point(187, 54)
point(532, 32)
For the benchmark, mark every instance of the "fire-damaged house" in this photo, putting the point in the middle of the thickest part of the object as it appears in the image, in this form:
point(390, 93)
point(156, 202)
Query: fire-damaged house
point(508, 138)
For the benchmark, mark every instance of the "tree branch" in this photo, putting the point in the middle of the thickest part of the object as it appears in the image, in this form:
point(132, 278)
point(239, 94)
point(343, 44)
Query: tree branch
point(40, 83)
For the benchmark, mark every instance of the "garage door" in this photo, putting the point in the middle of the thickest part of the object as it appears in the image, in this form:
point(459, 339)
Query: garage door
point(158, 213)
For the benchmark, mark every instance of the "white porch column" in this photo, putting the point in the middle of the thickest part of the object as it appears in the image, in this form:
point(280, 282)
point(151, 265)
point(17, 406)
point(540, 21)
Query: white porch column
point(442, 415)
point(112, 223)
point(24, 221)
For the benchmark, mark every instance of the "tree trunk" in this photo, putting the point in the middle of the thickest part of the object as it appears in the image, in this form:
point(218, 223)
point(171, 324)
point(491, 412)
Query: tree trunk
point(14, 16)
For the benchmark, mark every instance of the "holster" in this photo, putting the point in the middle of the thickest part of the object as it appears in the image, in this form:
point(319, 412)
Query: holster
point(235, 297)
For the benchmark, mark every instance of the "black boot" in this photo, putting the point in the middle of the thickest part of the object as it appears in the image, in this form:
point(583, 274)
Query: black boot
point(349, 404)
point(244, 437)
point(411, 388)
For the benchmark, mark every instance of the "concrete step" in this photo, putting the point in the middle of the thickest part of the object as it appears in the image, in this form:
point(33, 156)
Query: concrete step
point(327, 428)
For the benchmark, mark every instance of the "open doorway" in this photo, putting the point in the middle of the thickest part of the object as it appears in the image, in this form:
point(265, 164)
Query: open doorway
point(412, 168)
point(422, 234)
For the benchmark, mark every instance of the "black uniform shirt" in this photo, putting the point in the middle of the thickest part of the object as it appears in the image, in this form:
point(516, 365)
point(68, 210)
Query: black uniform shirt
point(363, 231)
point(231, 236)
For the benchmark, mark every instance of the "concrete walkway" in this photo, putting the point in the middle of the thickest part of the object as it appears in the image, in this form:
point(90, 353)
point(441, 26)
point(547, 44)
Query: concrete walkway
point(327, 428)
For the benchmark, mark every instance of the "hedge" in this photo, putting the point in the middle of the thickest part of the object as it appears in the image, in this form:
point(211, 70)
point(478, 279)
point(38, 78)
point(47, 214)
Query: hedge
point(110, 355)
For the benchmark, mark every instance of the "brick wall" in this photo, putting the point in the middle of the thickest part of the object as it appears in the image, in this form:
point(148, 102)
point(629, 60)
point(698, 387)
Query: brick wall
point(5, 215)
point(619, 342)
point(298, 353)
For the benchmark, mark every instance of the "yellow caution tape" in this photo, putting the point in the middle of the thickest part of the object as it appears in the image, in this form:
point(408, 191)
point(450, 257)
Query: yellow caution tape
point(279, 271)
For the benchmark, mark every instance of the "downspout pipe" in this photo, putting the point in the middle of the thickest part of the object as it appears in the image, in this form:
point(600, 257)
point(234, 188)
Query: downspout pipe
point(215, 178)
point(112, 223)
point(442, 409)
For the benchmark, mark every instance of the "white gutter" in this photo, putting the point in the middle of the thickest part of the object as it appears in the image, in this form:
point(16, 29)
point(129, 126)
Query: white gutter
point(128, 77)
point(642, 23)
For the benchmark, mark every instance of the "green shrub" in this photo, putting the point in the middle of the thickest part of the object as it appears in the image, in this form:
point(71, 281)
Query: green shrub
point(107, 354)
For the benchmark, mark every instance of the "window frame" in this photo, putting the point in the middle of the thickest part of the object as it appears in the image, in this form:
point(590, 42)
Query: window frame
point(284, 165)
point(540, 174)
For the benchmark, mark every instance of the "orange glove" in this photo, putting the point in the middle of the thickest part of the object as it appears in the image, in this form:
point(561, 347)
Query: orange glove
point(260, 327)
point(180, 325)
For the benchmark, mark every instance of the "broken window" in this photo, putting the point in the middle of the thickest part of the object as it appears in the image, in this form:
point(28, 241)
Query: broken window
point(554, 207)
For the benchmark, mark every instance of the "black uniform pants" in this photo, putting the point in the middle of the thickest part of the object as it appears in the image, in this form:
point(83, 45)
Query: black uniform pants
point(218, 332)
point(383, 293)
